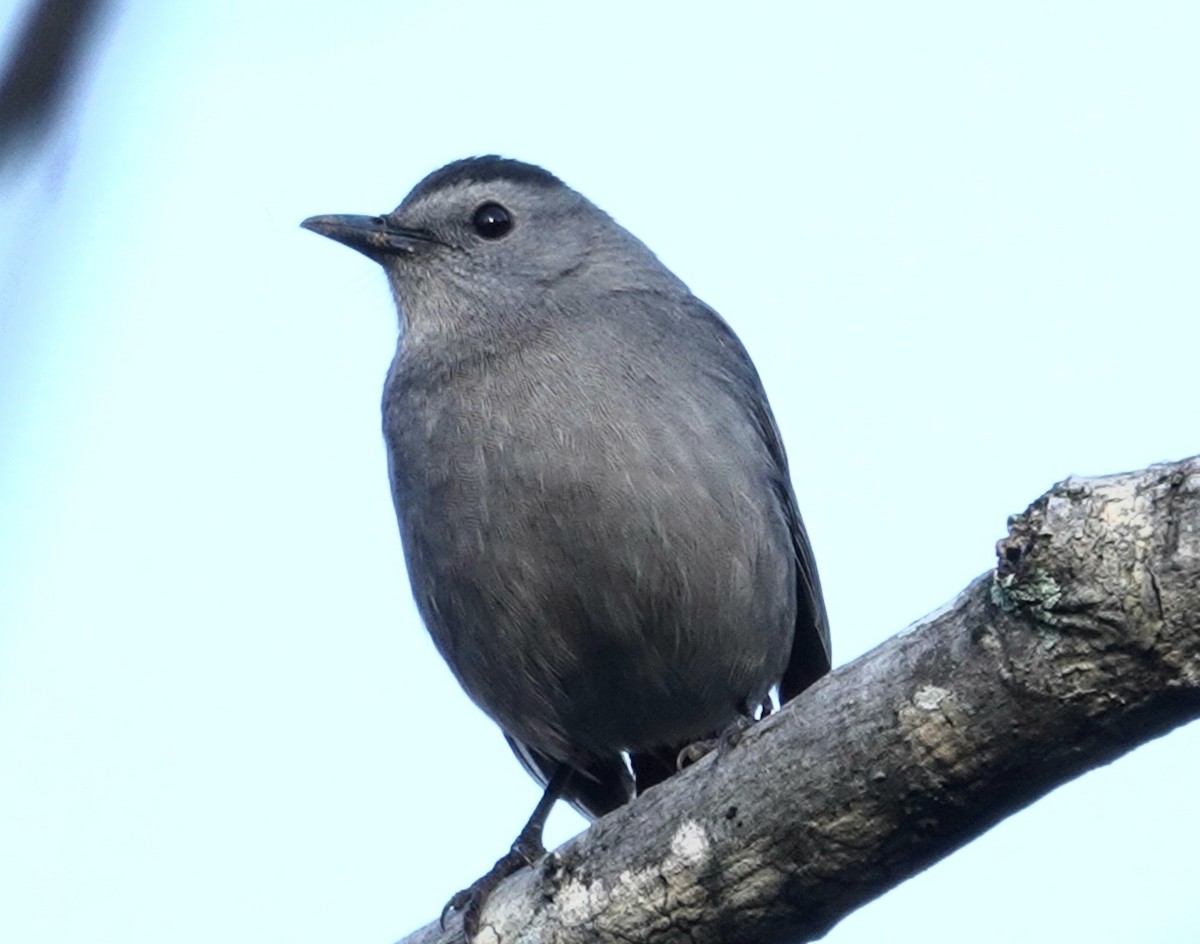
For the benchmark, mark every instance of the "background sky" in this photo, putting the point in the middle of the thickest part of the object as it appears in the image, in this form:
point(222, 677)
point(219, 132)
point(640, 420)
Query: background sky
point(960, 242)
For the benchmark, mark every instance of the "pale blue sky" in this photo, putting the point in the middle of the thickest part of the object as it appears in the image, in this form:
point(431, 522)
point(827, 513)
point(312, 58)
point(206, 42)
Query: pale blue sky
point(959, 241)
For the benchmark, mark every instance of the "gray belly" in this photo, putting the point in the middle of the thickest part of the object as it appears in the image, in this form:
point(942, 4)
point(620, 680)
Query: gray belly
point(600, 577)
point(588, 610)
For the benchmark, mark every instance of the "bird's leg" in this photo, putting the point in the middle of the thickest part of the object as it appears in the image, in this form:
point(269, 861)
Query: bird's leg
point(526, 850)
point(724, 742)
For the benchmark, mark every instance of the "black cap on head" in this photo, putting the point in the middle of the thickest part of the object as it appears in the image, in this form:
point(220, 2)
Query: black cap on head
point(481, 170)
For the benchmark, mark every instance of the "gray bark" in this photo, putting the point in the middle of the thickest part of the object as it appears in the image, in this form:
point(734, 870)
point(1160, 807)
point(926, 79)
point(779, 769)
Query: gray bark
point(1082, 644)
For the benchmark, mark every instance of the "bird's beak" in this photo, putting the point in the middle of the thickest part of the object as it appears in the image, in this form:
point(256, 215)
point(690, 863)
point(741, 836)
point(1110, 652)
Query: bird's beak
point(373, 236)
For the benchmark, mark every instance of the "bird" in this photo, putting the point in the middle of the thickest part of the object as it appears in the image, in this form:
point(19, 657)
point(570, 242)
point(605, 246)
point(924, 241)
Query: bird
point(595, 506)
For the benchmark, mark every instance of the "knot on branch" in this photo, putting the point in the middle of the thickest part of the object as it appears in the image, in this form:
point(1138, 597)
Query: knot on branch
point(1107, 562)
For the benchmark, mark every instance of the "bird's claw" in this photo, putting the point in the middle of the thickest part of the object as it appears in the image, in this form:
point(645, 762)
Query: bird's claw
point(469, 901)
point(723, 743)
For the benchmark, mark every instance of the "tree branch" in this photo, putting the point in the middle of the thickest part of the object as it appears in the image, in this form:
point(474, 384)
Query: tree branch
point(43, 69)
point(1084, 643)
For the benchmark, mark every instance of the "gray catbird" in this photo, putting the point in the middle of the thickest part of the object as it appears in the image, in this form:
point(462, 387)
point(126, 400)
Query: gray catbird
point(593, 497)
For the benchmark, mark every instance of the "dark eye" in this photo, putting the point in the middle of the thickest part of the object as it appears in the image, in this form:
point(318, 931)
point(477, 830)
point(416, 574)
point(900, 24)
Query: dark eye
point(491, 221)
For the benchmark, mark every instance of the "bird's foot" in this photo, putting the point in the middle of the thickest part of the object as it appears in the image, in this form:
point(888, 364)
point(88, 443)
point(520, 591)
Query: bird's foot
point(469, 901)
point(723, 743)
